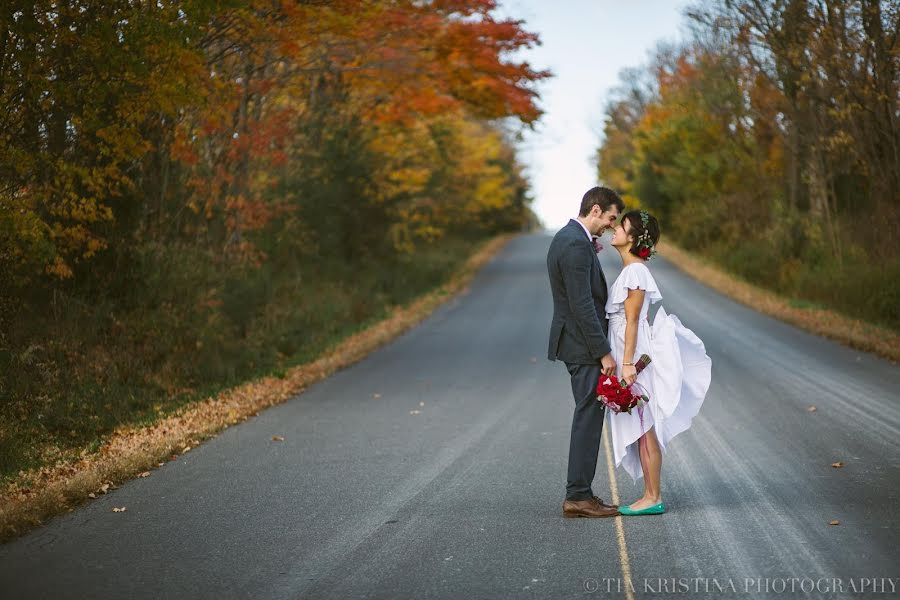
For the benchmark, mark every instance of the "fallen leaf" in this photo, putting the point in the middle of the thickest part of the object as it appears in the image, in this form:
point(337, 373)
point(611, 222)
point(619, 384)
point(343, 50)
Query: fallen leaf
point(104, 487)
point(277, 438)
point(415, 412)
point(376, 396)
point(145, 474)
point(186, 449)
point(118, 509)
point(160, 464)
point(92, 495)
point(835, 522)
point(837, 465)
point(811, 408)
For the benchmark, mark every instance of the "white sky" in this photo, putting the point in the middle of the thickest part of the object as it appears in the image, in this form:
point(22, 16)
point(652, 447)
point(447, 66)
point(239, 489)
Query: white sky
point(585, 43)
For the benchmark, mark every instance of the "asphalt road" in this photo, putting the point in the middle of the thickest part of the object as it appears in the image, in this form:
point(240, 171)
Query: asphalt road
point(462, 499)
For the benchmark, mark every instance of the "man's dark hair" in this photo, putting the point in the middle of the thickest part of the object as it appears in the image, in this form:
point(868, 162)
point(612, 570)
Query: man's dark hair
point(602, 196)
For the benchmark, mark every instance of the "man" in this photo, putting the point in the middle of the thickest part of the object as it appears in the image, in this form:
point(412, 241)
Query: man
point(578, 337)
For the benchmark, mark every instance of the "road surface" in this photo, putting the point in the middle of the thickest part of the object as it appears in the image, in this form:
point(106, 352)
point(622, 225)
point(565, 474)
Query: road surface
point(435, 468)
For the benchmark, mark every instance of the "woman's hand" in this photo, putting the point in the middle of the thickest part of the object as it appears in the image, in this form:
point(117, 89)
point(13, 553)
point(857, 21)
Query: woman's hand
point(629, 374)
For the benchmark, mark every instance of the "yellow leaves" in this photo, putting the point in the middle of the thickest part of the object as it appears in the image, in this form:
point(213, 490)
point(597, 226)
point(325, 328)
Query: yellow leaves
point(492, 192)
point(277, 438)
point(428, 233)
point(840, 141)
point(408, 157)
point(837, 465)
point(93, 245)
point(62, 233)
point(834, 522)
point(121, 141)
point(441, 171)
point(409, 179)
point(59, 268)
point(632, 202)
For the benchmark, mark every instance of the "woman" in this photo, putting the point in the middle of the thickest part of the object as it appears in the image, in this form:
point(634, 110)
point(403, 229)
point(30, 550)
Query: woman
point(676, 380)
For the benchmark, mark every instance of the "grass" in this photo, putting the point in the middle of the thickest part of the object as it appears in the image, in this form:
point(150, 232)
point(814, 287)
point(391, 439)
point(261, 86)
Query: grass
point(811, 316)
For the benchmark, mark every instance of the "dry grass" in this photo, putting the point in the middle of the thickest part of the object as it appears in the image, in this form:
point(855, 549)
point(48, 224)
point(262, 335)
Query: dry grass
point(852, 332)
point(37, 495)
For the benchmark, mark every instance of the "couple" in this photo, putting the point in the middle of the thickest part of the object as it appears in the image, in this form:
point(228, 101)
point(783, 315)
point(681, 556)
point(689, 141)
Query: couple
point(597, 333)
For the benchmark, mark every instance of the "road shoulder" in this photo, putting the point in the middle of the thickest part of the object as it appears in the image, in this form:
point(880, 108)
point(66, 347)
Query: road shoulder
point(820, 321)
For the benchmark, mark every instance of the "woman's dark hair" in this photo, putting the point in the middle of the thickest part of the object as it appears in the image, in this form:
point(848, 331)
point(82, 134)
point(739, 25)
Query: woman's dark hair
point(637, 229)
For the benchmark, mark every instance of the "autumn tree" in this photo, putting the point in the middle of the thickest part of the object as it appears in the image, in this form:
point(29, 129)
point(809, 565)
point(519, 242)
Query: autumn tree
point(768, 141)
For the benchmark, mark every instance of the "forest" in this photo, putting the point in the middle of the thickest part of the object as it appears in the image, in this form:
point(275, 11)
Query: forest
point(195, 193)
point(768, 141)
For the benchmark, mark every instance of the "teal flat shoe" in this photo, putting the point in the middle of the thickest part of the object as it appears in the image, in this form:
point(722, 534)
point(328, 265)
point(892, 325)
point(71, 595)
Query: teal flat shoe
point(656, 509)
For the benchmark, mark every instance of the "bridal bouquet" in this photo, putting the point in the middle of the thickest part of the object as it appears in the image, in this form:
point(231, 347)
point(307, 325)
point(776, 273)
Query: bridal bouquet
point(618, 396)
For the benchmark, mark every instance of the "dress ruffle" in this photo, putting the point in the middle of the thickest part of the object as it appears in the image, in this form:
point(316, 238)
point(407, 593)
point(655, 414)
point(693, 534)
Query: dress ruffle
point(634, 276)
point(682, 375)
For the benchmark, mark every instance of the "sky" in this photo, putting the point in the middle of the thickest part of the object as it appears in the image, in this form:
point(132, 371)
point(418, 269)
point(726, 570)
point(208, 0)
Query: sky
point(585, 43)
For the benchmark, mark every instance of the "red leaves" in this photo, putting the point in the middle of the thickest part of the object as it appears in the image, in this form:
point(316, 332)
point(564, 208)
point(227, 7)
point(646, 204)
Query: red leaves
point(235, 97)
point(424, 59)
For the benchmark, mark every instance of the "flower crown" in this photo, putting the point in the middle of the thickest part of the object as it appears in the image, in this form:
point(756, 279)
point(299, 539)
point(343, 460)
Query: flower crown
point(646, 249)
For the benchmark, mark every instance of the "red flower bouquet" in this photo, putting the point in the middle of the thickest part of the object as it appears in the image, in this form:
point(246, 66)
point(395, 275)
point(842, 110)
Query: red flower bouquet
point(618, 396)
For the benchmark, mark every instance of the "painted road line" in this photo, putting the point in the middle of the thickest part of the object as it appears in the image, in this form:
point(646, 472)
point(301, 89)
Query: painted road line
point(620, 526)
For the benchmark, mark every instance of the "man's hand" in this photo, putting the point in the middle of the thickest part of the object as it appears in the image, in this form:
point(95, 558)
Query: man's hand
point(609, 365)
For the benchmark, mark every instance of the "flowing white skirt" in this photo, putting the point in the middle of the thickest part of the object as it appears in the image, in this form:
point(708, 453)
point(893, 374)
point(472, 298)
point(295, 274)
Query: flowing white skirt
point(676, 381)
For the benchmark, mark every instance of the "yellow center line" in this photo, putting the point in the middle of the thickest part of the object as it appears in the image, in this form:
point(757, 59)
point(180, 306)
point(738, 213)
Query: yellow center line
point(620, 527)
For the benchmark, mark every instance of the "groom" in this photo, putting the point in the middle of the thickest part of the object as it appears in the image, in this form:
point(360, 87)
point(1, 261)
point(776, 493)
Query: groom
point(578, 337)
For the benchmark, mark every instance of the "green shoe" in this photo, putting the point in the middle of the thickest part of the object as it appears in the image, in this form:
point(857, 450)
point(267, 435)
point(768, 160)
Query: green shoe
point(656, 509)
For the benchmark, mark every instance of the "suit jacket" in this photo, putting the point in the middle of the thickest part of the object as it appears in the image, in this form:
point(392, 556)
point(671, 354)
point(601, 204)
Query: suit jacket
point(579, 330)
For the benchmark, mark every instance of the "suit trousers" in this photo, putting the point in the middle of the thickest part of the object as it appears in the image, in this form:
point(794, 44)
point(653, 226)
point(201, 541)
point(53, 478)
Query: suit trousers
point(587, 427)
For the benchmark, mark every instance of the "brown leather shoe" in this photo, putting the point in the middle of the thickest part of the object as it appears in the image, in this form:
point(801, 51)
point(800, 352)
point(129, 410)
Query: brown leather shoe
point(601, 503)
point(588, 508)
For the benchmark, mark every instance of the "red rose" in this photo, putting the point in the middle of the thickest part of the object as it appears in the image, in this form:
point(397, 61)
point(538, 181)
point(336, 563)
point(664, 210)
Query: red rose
point(644, 252)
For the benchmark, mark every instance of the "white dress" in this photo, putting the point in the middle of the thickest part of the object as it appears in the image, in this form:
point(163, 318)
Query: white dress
point(676, 381)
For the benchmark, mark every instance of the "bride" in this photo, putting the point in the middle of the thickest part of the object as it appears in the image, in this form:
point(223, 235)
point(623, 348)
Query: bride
point(678, 377)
